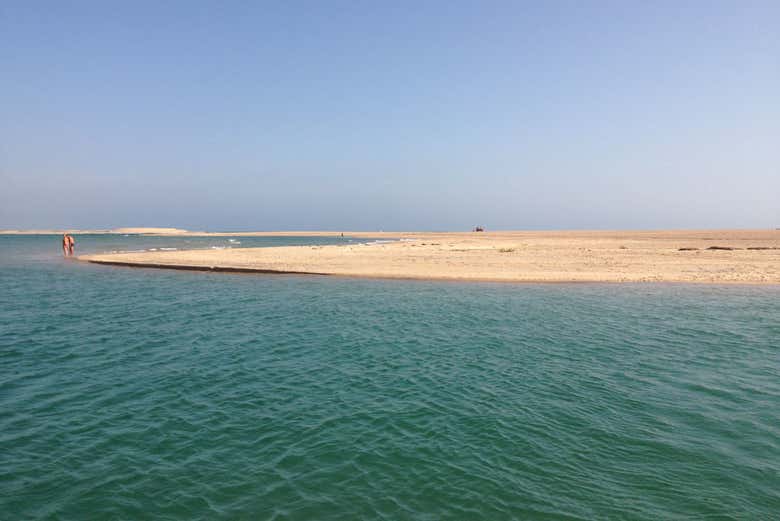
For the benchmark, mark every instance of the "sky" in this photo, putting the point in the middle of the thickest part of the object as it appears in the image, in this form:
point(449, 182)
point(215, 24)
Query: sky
point(429, 115)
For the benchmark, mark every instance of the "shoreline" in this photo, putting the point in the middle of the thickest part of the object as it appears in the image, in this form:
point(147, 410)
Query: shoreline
point(710, 257)
point(185, 267)
point(175, 232)
point(259, 271)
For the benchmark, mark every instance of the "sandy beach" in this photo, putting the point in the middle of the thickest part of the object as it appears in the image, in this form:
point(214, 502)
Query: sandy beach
point(744, 256)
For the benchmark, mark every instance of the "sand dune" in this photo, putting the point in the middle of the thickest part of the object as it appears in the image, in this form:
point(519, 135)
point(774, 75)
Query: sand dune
point(669, 256)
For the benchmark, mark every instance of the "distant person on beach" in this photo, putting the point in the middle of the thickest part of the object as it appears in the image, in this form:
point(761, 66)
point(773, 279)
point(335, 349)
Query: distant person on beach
point(71, 244)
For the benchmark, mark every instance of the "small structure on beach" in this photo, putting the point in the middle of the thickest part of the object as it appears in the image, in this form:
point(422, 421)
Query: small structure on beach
point(479, 229)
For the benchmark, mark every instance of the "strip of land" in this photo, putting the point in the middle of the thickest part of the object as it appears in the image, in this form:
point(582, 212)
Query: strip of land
point(725, 256)
point(74, 231)
point(163, 232)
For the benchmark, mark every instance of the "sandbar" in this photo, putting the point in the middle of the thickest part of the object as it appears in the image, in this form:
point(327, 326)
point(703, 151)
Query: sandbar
point(709, 256)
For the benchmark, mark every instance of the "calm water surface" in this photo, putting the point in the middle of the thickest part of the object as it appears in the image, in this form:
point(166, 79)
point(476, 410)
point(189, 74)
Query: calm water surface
point(140, 394)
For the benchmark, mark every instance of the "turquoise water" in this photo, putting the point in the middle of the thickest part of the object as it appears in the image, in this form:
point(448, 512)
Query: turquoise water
point(150, 394)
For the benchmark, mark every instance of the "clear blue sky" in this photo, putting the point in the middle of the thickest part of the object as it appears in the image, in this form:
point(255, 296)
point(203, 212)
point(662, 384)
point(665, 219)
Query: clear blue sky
point(390, 115)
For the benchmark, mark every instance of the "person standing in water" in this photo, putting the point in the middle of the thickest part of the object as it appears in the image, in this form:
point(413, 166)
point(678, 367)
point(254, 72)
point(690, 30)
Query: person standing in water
point(68, 244)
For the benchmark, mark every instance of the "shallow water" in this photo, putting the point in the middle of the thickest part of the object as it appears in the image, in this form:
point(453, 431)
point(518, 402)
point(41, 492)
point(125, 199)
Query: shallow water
point(129, 393)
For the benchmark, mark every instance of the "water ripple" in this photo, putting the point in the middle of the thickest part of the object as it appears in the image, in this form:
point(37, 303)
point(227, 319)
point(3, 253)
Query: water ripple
point(127, 394)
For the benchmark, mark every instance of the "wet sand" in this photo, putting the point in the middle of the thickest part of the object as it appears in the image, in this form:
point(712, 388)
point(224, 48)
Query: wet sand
point(722, 256)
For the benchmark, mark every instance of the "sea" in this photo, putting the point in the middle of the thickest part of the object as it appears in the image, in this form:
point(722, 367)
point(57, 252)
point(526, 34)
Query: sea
point(132, 393)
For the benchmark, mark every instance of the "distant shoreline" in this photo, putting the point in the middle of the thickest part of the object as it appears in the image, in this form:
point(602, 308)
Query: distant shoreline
point(178, 232)
point(713, 256)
